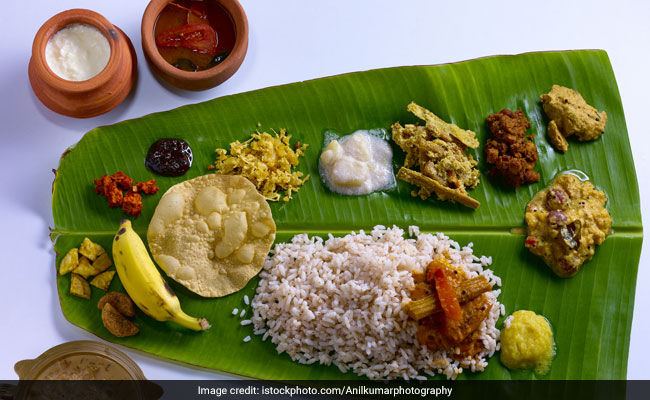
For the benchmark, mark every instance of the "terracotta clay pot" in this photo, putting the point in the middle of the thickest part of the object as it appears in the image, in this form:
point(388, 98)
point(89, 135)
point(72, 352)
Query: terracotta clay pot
point(33, 382)
point(97, 95)
point(199, 80)
point(32, 369)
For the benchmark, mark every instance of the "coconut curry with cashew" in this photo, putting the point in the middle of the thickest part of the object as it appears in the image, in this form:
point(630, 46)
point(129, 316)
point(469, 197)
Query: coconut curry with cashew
point(566, 221)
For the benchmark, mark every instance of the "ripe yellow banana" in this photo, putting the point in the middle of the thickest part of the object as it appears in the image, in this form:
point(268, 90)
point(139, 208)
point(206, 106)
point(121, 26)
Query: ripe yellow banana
point(143, 281)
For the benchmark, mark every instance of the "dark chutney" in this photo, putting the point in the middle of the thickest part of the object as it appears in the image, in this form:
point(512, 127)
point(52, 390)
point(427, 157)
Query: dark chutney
point(169, 157)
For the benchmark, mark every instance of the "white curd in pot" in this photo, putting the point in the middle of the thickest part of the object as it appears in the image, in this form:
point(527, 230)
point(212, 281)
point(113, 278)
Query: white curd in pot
point(77, 52)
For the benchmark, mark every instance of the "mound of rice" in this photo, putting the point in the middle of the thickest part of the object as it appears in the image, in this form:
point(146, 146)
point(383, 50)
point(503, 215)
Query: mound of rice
point(340, 302)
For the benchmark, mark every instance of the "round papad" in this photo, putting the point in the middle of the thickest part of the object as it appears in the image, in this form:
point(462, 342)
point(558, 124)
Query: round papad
point(212, 233)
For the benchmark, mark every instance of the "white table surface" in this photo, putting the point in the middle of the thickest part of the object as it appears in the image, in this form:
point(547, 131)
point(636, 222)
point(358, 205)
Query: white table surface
point(289, 41)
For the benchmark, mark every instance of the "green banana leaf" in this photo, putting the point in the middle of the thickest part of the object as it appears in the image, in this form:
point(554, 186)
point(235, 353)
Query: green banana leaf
point(591, 314)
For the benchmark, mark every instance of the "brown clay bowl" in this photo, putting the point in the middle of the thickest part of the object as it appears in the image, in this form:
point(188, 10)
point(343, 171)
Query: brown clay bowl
point(35, 384)
point(200, 80)
point(97, 95)
point(32, 369)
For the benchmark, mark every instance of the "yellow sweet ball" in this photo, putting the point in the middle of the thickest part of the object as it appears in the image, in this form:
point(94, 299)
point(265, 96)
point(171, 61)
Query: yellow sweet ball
point(527, 342)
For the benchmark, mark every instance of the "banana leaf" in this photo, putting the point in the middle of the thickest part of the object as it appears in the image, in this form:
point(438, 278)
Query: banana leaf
point(591, 314)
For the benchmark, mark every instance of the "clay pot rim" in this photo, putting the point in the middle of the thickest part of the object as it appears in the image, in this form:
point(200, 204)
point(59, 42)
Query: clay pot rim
point(60, 21)
point(30, 369)
point(240, 21)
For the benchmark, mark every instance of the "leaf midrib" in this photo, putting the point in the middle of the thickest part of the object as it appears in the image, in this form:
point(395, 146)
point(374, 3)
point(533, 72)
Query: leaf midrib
point(623, 231)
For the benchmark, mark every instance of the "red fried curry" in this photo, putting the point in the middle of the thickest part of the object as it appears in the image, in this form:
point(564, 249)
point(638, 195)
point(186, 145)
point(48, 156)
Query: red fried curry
point(449, 308)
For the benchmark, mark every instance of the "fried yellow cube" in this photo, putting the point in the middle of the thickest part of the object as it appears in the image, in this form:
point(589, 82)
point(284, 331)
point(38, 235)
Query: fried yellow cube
point(90, 249)
point(102, 263)
point(79, 287)
point(70, 261)
point(85, 268)
point(103, 280)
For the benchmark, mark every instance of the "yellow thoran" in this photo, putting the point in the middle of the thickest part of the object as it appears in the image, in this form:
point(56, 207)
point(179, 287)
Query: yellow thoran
point(267, 161)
